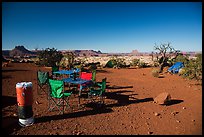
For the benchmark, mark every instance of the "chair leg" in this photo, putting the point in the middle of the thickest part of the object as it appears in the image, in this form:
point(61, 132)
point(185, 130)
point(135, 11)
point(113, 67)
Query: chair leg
point(66, 101)
point(53, 104)
point(39, 88)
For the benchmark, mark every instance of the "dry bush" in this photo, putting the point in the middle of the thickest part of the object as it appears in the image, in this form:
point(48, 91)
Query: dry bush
point(155, 73)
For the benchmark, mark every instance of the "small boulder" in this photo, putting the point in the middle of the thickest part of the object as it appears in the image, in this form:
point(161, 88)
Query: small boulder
point(162, 98)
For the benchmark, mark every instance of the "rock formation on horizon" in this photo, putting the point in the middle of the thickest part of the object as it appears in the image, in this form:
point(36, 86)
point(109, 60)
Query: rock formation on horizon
point(20, 51)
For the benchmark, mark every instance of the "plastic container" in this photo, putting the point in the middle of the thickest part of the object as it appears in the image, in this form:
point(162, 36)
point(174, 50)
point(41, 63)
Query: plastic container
point(25, 101)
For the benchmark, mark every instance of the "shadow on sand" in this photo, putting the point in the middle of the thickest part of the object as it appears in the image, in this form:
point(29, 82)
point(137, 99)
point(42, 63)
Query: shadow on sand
point(9, 124)
point(6, 76)
point(117, 87)
point(123, 100)
point(173, 102)
point(102, 71)
point(13, 70)
point(73, 115)
point(8, 101)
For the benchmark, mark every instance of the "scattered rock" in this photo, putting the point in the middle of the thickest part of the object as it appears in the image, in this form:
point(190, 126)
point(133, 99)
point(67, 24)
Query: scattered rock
point(56, 128)
point(36, 102)
point(149, 133)
point(177, 121)
point(184, 107)
point(162, 98)
point(193, 120)
point(79, 133)
point(156, 114)
point(174, 113)
point(147, 124)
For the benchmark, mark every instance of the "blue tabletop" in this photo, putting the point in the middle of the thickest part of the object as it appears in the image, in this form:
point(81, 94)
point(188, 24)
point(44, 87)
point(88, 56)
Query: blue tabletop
point(76, 81)
point(66, 72)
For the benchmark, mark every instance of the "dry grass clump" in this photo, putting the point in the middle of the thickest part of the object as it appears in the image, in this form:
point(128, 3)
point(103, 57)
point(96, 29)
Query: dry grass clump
point(155, 73)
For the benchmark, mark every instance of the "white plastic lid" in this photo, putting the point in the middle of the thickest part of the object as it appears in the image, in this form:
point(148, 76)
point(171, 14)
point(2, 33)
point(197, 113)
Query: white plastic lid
point(24, 84)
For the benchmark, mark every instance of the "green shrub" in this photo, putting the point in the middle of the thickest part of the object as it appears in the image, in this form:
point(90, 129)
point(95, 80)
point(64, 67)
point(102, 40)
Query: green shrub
point(193, 68)
point(137, 62)
point(110, 64)
point(116, 62)
point(49, 57)
point(180, 58)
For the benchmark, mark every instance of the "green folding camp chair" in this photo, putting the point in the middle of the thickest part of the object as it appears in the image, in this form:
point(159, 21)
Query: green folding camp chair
point(54, 69)
point(42, 80)
point(94, 76)
point(57, 96)
point(98, 92)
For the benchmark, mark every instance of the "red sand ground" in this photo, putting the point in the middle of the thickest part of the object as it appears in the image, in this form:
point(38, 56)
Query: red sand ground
point(128, 109)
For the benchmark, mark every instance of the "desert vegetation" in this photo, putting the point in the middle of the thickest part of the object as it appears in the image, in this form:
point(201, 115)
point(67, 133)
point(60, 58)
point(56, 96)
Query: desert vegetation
point(164, 56)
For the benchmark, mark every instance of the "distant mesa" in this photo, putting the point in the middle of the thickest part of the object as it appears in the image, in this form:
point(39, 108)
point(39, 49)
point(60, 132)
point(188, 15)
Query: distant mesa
point(84, 52)
point(20, 51)
point(134, 52)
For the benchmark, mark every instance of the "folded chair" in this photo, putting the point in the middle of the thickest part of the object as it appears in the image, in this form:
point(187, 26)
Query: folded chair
point(97, 92)
point(54, 69)
point(94, 76)
point(42, 80)
point(57, 96)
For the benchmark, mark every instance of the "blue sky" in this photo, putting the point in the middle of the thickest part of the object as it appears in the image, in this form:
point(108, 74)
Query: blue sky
point(105, 26)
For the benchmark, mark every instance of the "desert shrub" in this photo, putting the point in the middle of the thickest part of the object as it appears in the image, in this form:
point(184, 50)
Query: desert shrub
point(49, 57)
point(155, 72)
point(116, 62)
point(110, 64)
point(92, 67)
point(193, 68)
point(80, 63)
point(135, 62)
point(142, 64)
point(68, 60)
point(155, 64)
point(181, 71)
point(180, 58)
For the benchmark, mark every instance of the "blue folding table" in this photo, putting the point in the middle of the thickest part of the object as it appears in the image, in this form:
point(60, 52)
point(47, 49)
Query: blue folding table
point(77, 81)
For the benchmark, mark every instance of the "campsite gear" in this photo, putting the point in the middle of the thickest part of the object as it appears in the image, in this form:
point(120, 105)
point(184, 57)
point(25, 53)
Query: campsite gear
point(175, 68)
point(86, 76)
point(67, 72)
point(94, 76)
point(79, 82)
point(74, 74)
point(42, 80)
point(25, 101)
point(57, 96)
point(98, 92)
point(54, 69)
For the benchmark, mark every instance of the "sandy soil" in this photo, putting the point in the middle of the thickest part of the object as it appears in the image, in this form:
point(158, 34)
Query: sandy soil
point(129, 107)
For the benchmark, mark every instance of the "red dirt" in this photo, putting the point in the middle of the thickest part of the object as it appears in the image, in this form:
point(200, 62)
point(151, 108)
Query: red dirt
point(129, 107)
